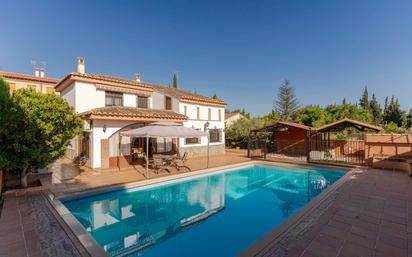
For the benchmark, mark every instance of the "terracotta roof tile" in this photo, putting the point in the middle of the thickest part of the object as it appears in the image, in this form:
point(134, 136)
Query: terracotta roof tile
point(132, 113)
point(185, 95)
point(179, 93)
point(27, 77)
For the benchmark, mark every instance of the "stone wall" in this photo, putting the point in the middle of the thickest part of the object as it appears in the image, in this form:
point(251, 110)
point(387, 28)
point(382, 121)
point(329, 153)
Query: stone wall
point(198, 151)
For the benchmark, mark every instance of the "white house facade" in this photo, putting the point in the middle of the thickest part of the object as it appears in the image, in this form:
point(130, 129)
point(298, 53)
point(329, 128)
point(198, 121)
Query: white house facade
point(110, 105)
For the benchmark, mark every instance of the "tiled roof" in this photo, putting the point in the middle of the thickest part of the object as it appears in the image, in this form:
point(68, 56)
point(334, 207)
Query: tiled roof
point(185, 95)
point(132, 113)
point(21, 76)
point(229, 115)
point(347, 123)
point(280, 124)
point(131, 84)
point(101, 79)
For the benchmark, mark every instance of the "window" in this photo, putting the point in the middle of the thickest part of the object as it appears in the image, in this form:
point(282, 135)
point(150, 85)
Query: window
point(220, 114)
point(168, 103)
point(114, 99)
point(49, 90)
point(192, 140)
point(209, 114)
point(32, 87)
point(215, 135)
point(12, 87)
point(185, 110)
point(198, 113)
point(142, 102)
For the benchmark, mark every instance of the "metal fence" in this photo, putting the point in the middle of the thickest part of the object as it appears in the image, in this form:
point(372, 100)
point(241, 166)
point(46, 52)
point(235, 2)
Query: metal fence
point(334, 151)
point(338, 151)
point(286, 149)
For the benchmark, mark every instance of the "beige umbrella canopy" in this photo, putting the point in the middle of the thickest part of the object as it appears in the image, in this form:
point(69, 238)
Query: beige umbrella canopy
point(163, 129)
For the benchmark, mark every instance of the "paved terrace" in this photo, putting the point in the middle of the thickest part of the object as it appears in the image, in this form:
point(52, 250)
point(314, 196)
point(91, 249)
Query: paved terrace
point(68, 178)
point(368, 214)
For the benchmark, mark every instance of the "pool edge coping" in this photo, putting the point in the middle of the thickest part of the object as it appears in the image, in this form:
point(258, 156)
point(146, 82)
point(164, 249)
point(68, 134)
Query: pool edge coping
point(93, 249)
point(261, 246)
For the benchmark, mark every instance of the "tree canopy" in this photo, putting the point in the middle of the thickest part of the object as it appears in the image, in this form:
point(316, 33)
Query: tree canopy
point(314, 116)
point(39, 129)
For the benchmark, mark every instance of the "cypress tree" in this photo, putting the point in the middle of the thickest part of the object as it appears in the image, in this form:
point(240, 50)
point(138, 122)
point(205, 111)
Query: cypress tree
point(376, 110)
point(364, 101)
point(174, 81)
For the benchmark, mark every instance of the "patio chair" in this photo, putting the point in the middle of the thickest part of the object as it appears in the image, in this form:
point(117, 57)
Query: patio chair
point(159, 164)
point(180, 162)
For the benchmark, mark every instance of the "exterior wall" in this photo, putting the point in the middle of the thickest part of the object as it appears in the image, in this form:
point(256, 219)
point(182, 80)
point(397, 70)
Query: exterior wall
point(69, 94)
point(193, 122)
point(388, 145)
point(158, 102)
point(39, 87)
point(198, 151)
point(232, 119)
point(98, 134)
point(129, 100)
point(88, 97)
point(291, 141)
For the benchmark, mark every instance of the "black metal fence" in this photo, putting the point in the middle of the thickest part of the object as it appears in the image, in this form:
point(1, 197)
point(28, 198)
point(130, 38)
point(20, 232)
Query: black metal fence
point(334, 151)
point(338, 151)
point(266, 149)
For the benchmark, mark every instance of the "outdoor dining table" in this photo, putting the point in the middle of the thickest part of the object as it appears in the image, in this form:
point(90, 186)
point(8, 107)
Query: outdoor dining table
point(169, 158)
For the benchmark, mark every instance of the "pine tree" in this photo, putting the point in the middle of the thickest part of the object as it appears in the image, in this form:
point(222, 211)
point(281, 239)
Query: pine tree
point(214, 96)
point(174, 81)
point(364, 101)
point(286, 103)
point(344, 101)
point(376, 110)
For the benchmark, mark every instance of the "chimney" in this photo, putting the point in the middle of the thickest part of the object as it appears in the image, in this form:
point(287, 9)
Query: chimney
point(42, 72)
point(36, 72)
point(137, 77)
point(81, 65)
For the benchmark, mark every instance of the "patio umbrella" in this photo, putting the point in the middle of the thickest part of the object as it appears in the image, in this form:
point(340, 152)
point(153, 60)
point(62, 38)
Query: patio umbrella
point(163, 129)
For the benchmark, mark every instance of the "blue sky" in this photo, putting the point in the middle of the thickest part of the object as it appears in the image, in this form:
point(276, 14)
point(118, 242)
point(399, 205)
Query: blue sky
point(240, 50)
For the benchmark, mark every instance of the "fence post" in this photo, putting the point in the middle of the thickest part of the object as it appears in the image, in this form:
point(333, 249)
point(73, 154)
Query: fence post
point(309, 147)
point(248, 147)
point(265, 149)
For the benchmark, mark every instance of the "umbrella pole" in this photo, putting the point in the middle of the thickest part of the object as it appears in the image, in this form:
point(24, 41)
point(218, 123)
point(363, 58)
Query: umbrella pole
point(118, 155)
point(208, 143)
point(147, 156)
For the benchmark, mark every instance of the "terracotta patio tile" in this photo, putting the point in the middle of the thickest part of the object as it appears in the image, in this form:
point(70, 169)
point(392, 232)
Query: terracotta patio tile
point(392, 240)
point(329, 240)
point(321, 250)
point(394, 219)
point(350, 249)
point(363, 232)
point(388, 250)
point(335, 232)
point(360, 240)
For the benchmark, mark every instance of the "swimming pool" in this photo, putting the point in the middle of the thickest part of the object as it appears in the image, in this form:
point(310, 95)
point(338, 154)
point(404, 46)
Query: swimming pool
point(219, 214)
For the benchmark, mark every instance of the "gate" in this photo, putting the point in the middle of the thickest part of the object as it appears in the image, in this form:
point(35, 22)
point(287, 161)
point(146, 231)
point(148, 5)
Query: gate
point(338, 151)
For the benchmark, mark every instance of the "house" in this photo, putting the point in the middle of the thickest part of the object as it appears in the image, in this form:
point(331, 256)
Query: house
point(38, 81)
point(110, 105)
point(232, 117)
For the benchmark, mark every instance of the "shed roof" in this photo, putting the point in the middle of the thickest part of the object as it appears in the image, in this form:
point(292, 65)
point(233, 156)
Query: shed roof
point(282, 124)
point(345, 123)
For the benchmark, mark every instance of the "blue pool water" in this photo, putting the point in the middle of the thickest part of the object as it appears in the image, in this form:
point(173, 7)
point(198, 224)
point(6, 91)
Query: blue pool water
point(216, 215)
